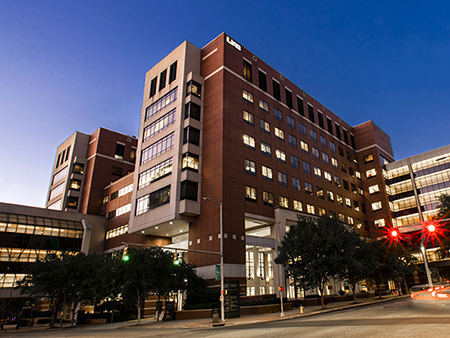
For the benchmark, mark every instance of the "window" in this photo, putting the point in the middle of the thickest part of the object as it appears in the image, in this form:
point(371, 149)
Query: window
point(302, 128)
point(341, 151)
point(153, 200)
point(248, 118)
point(345, 185)
point(323, 141)
point(327, 176)
point(337, 180)
point(355, 159)
point(249, 167)
point(315, 152)
point(332, 147)
point(332, 214)
point(371, 173)
point(304, 146)
point(267, 198)
point(123, 210)
point(300, 106)
point(162, 103)
point(334, 162)
point(379, 223)
point(173, 72)
point(374, 189)
point(368, 158)
point(133, 155)
point(105, 199)
point(55, 192)
point(153, 87)
point(311, 113)
point(60, 175)
point(264, 125)
point(282, 178)
point(112, 214)
point(162, 79)
point(289, 98)
point(122, 230)
point(349, 156)
point(310, 209)
point(72, 202)
point(117, 171)
point(249, 141)
point(351, 172)
point(190, 162)
point(281, 155)
point(290, 121)
point(276, 89)
point(266, 173)
point(322, 211)
point(348, 202)
point(78, 168)
point(363, 207)
point(350, 220)
point(292, 141)
point(339, 199)
point(376, 206)
point(163, 169)
point(345, 136)
point(357, 174)
point(75, 184)
point(298, 206)
point(319, 192)
point(343, 167)
point(330, 126)
point(266, 149)
point(306, 167)
point(192, 110)
point(313, 134)
point(250, 193)
point(356, 205)
point(278, 114)
point(361, 191)
point(247, 96)
point(317, 172)
point(250, 267)
point(264, 105)
point(296, 184)
point(191, 135)
point(279, 133)
point(353, 188)
point(320, 117)
point(330, 196)
point(341, 217)
point(247, 71)
point(308, 188)
point(352, 139)
point(157, 148)
point(114, 195)
point(194, 88)
point(262, 80)
point(338, 130)
point(284, 202)
point(358, 223)
point(159, 125)
point(294, 161)
point(189, 191)
point(325, 158)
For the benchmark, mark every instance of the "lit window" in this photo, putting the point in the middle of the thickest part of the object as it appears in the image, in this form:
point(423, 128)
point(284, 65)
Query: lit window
point(120, 150)
point(310, 209)
point(247, 71)
point(339, 199)
point(361, 191)
point(373, 189)
point(357, 174)
point(353, 187)
point(327, 176)
point(157, 148)
point(157, 126)
point(281, 155)
point(341, 217)
point(379, 223)
point(250, 167)
point(284, 202)
point(334, 162)
point(322, 212)
point(266, 149)
point(162, 103)
point(247, 96)
point(264, 125)
point(319, 192)
point(348, 202)
point(190, 162)
point(350, 220)
point(330, 196)
point(317, 172)
point(194, 88)
point(264, 105)
point(250, 193)
point(75, 184)
point(304, 146)
point(358, 223)
point(368, 158)
point(279, 133)
point(163, 169)
point(308, 188)
point(296, 184)
point(78, 168)
point(266, 173)
point(249, 118)
point(249, 141)
point(356, 205)
point(371, 173)
point(267, 198)
point(376, 205)
point(282, 178)
point(298, 206)
point(337, 180)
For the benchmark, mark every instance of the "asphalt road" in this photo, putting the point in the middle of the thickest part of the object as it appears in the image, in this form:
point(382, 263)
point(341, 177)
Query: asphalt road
point(390, 319)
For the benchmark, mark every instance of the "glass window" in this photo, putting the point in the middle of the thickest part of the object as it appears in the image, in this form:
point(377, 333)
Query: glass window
point(376, 205)
point(266, 149)
point(332, 147)
point(173, 72)
point(262, 80)
point(304, 146)
point(276, 90)
point(78, 168)
point(281, 155)
point(311, 113)
point(319, 192)
point(264, 105)
point(348, 202)
point(267, 198)
point(191, 135)
point(334, 162)
point(379, 223)
point(250, 193)
point(310, 209)
point(345, 184)
point(301, 110)
point(357, 174)
point(320, 118)
point(284, 202)
point(278, 114)
point(368, 158)
point(153, 200)
point(191, 110)
point(313, 134)
point(325, 158)
point(72, 202)
point(323, 141)
point(59, 175)
point(338, 130)
point(189, 191)
point(294, 161)
point(302, 128)
point(361, 191)
point(373, 189)
point(289, 98)
point(327, 176)
point(249, 167)
point(330, 196)
point(371, 173)
point(247, 96)
point(292, 141)
point(75, 184)
point(353, 187)
point(264, 125)
point(279, 133)
point(343, 167)
point(296, 183)
point(298, 206)
point(356, 205)
point(339, 199)
point(158, 126)
point(306, 167)
point(153, 87)
point(162, 79)
point(351, 172)
point(282, 178)
point(117, 171)
point(249, 141)
point(157, 148)
point(337, 180)
point(315, 152)
point(190, 162)
point(341, 217)
point(322, 211)
point(290, 121)
point(194, 88)
point(266, 173)
point(308, 188)
point(249, 118)
point(247, 71)
point(317, 172)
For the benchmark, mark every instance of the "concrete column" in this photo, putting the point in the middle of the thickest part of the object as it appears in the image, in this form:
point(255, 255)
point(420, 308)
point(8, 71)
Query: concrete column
point(87, 233)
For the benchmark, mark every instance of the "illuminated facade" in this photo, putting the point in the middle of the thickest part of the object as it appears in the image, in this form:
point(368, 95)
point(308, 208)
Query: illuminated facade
point(218, 122)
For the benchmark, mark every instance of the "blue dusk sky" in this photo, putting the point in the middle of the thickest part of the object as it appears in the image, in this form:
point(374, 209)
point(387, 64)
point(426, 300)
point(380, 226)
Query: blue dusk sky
point(69, 66)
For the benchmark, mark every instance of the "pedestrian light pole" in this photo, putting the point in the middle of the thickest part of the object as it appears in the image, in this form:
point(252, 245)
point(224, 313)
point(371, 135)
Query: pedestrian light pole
point(222, 300)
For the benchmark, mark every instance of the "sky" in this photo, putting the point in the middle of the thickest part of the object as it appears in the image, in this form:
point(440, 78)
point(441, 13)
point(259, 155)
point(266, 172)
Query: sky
point(69, 66)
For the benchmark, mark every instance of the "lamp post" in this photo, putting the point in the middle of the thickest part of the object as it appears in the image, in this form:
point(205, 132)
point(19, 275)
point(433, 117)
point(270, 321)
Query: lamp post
point(222, 301)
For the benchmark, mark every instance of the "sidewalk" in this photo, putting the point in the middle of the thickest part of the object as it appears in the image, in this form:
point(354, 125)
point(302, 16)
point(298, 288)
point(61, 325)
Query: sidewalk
point(249, 319)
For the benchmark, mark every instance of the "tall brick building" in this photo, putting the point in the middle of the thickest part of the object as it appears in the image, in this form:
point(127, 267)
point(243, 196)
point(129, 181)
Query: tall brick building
point(218, 122)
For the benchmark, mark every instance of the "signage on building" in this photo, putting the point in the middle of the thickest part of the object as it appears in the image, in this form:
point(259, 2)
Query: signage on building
point(301, 217)
point(233, 43)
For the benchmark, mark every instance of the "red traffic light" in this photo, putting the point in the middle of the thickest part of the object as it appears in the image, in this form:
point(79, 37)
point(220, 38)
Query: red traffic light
point(431, 228)
point(280, 288)
point(394, 233)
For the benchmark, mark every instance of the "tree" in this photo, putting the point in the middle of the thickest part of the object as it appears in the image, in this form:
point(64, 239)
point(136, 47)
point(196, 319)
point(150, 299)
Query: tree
point(315, 252)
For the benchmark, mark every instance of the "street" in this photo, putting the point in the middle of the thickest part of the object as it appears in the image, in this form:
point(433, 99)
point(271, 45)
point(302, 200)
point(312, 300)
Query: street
point(389, 319)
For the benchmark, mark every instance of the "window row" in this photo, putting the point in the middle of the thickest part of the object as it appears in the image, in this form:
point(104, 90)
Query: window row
point(119, 211)
point(62, 157)
point(153, 200)
point(159, 125)
point(40, 230)
point(154, 173)
point(157, 148)
point(122, 230)
point(162, 79)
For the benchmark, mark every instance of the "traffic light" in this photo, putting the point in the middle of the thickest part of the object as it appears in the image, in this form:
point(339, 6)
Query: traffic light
point(176, 259)
point(125, 256)
point(280, 288)
point(394, 234)
point(431, 228)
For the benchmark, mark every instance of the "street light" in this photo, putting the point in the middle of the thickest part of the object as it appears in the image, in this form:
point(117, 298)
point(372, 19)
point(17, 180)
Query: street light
point(222, 300)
